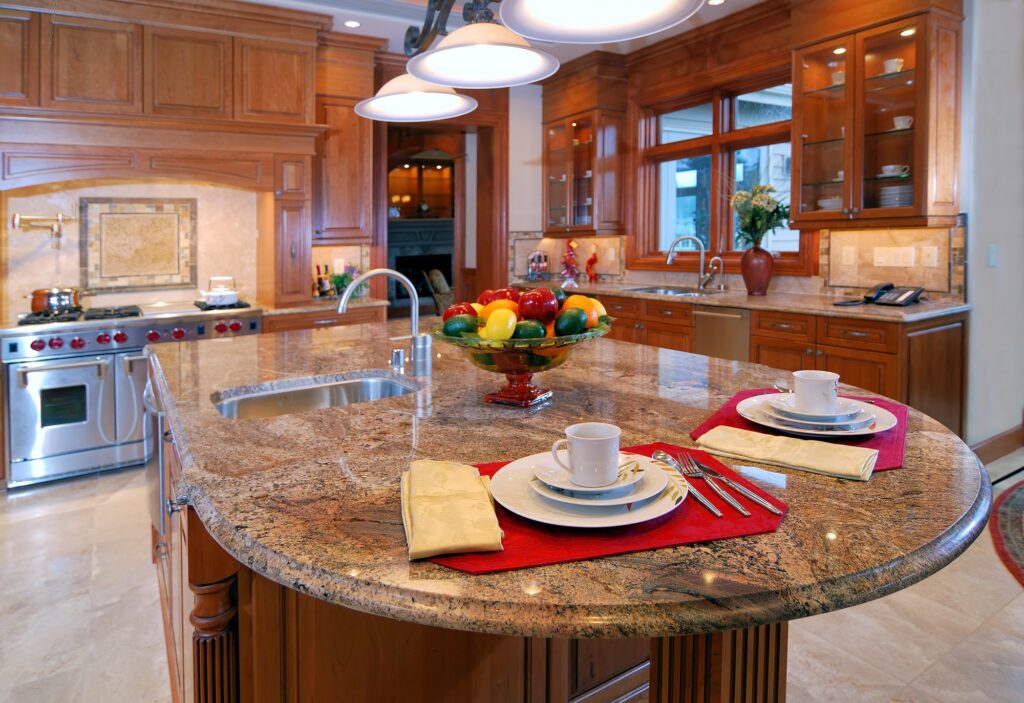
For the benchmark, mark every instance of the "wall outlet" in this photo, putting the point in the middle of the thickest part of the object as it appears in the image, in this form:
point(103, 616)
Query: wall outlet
point(930, 257)
point(610, 254)
point(993, 256)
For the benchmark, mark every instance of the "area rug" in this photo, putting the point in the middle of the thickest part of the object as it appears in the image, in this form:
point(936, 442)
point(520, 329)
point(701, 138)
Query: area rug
point(1007, 523)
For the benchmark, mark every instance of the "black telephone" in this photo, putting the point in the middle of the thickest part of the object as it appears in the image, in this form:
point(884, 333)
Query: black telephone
point(887, 294)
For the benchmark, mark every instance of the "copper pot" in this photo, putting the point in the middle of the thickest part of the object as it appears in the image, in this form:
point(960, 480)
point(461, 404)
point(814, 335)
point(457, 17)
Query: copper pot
point(56, 299)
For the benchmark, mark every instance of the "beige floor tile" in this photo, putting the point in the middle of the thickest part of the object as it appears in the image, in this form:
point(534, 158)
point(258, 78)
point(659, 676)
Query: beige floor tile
point(1011, 620)
point(1006, 465)
point(65, 687)
point(821, 671)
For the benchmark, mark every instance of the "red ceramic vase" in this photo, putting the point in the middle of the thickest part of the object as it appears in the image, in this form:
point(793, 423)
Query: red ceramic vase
point(757, 265)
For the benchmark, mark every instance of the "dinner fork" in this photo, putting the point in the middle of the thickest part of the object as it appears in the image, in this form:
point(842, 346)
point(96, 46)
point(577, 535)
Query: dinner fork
point(669, 460)
point(691, 469)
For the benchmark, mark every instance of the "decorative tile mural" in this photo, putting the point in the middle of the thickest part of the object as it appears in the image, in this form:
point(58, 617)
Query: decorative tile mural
point(137, 243)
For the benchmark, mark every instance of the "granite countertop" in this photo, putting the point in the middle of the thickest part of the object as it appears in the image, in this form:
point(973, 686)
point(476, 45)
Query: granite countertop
point(311, 500)
point(319, 305)
point(783, 302)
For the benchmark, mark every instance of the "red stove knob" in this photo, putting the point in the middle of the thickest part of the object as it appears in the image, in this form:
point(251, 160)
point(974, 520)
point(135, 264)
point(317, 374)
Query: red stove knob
point(122, 337)
point(103, 338)
point(56, 343)
point(152, 336)
point(77, 343)
point(236, 326)
point(38, 345)
point(178, 333)
point(220, 327)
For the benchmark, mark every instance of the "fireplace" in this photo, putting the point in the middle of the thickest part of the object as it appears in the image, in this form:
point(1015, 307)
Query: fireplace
point(415, 266)
point(416, 247)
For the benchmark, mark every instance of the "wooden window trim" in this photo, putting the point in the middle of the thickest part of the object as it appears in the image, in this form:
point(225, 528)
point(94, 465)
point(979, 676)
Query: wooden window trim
point(641, 248)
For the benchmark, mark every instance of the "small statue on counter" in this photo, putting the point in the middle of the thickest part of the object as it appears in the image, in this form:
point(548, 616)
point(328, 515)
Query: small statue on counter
point(591, 266)
point(570, 268)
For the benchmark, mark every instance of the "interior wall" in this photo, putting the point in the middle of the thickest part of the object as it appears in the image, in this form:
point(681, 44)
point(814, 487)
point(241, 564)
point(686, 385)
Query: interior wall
point(469, 249)
point(993, 142)
point(225, 226)
point(526, 165)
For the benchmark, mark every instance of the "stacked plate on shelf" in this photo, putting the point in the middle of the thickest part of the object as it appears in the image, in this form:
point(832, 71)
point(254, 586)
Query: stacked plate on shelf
point(852, 418)
point(537, 488)
point(900, 195)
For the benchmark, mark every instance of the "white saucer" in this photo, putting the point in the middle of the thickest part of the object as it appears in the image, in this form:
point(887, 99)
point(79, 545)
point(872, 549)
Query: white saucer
point(753, 409)
point(510, 487)
point(652, 484)
point(785, 404)
point(863, 419)
point(555, 476)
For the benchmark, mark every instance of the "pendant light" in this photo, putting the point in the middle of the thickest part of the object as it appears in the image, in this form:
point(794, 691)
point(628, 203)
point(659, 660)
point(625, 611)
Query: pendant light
point(483, 55)
point(594, 21)
point(408, 99)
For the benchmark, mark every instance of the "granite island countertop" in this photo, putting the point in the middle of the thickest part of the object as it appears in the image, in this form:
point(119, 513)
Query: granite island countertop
point(323, 305)
point(311, 500)
point(805, 303)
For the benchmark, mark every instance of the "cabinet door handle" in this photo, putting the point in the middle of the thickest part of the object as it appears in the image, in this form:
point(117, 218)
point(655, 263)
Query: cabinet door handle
point(331, 321)
point(856, 334)
point(294, 250)
point(175, 505)
point(809, 351)
point(666, 313)
point(781, 325)
point(819, 353)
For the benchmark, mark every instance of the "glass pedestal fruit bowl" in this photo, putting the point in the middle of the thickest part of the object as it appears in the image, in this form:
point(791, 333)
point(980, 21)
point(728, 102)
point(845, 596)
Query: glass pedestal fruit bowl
point(519, 360)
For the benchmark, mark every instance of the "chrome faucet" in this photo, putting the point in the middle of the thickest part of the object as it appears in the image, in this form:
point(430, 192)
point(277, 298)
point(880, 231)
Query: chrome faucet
point(702, 277)
point(421, 345)
point(710, 275)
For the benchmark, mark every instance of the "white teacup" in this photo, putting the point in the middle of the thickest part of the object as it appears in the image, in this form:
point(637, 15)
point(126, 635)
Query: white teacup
point(840, 175)
point(593, 449)
point(816, 391)
point(893, 65)
point(902, 121)
point(895, 169)
point(838, 77)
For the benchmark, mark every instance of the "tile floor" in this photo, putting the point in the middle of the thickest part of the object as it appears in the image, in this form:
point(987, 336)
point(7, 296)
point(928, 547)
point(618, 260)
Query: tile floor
point(80, 620)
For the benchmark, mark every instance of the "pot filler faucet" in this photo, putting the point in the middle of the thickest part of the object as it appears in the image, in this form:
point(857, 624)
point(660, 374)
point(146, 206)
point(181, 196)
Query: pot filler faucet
point(703, 277)
point(421, 345)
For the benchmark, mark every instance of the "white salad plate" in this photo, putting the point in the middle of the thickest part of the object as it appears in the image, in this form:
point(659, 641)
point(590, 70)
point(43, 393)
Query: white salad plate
point(863, 419)
point(631, 470)
point(510, 488)
point(650, 485)
point(785, 405)
point(753, 409)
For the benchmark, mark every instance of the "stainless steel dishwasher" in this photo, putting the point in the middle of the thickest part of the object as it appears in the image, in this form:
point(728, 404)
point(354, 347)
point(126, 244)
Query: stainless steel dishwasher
point(721, 332)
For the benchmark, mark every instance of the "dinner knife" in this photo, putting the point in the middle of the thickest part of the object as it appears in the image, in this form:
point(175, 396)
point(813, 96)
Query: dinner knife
point(739, 488)
point(670, 460)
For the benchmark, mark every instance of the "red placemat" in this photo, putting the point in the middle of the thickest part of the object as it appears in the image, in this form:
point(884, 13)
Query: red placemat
point(528, 543)
point(891, 445)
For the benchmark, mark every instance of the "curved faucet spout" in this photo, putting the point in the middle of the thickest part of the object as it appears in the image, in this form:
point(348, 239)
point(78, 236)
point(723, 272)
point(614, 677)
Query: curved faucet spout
point(390, 273)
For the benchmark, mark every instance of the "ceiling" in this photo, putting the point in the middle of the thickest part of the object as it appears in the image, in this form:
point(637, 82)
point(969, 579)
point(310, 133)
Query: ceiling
point(390, 18)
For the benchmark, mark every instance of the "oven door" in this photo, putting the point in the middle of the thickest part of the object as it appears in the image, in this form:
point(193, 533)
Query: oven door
point(60, 406)
point(132, 374)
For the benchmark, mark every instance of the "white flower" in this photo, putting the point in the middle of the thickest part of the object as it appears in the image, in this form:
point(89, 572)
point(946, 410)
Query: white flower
point(764, 201)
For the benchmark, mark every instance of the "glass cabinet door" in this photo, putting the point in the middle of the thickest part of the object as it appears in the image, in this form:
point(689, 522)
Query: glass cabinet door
point(888, 96)
point(557, 161)
point(824, 116)
point(582, 173)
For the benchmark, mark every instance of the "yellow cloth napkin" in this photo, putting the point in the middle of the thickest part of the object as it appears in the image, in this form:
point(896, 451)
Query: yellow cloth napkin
point(839, 460)
point(447, 508)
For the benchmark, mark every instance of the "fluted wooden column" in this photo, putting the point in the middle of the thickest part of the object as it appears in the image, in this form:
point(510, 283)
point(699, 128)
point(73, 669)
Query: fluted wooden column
point(215, 642)
point(724, 667)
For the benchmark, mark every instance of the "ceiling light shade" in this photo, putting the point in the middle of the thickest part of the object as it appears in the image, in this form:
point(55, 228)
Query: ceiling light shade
point(408, 99)
point(594, 21)
point(483, 55)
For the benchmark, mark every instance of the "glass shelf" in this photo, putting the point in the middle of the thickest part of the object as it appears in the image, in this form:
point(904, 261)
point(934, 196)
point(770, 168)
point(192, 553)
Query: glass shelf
point(890, 132)
point(821, 142)
point(833, 92)
point(901, 177)
point(821, 184)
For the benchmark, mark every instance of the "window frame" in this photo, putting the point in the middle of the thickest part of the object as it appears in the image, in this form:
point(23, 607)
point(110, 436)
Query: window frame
point(645, 252)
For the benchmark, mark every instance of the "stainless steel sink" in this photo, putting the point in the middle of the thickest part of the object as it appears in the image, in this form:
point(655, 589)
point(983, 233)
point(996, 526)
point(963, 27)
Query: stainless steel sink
point(677, 291)
point(315, 396)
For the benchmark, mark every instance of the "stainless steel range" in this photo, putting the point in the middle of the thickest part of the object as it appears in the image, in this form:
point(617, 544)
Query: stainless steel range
point(74, 382)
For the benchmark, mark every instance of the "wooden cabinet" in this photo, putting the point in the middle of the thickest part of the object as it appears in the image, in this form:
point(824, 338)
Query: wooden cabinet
point(273, 81)
point(785, 354)
point(869, 370)
point(188, 74)
point(344, 164)
point(19, 54)
point(291, 177)
point(660, 324)
point(328, 317)
point(91, 65)
point(293, 257)
point(876, 124)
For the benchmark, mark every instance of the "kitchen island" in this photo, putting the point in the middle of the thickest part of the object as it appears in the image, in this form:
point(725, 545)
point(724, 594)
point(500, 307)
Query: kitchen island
point(286, 575)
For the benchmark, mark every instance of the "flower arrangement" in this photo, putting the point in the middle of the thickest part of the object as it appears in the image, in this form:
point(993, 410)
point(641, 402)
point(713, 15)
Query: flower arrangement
point(343, 280)
point(759, 213)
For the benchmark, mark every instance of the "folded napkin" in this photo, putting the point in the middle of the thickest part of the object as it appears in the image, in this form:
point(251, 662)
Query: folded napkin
point(447, 508)
point(839, 460)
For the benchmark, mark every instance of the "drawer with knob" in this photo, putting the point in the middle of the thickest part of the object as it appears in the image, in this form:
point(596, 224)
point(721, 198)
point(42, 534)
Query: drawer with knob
point(621, 307)
point(869, 335)
point(678, 313)
point(783, 325)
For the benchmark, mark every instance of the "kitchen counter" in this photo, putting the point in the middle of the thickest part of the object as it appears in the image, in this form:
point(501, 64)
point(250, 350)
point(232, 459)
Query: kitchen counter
point(311, 500)
point(320, 305)
point(783, 302)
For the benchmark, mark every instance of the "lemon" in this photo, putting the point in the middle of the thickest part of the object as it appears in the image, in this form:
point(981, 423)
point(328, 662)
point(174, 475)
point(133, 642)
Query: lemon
point(501, 324)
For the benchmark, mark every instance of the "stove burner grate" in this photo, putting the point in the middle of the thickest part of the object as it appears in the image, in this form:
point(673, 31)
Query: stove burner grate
point(240, 305)
point(47, 316)
point(113, 313)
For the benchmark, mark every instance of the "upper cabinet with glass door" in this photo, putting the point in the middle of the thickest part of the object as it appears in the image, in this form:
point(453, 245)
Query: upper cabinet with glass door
point(876, 118)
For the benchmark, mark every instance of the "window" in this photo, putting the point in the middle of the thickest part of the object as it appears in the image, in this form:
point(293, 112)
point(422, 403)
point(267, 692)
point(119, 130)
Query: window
point(697, 155)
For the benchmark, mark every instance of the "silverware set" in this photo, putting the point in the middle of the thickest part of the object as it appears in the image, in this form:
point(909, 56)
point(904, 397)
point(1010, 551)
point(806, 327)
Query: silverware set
point(694, 469)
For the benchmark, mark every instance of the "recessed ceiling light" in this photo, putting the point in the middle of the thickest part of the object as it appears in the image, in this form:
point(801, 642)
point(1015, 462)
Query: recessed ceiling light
point(352, 24)
point(594, 21)
point(408, 99)
point(909, 32)
point(482, 55)
point(839, 50)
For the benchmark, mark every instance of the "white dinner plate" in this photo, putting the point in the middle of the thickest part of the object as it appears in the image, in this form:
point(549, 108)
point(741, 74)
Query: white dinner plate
point(752, 409)
point(653, 483)
point(785, 404)
point(510, 487)
point(863, 419)
point(631, 471)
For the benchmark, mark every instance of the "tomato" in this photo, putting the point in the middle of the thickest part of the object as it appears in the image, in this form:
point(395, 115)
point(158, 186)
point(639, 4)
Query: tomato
point(486, 297)
point(506, 294)
point(499, 305)
point(459, 309)
point(538, 304)
point(587, 305)
point(501, 324)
